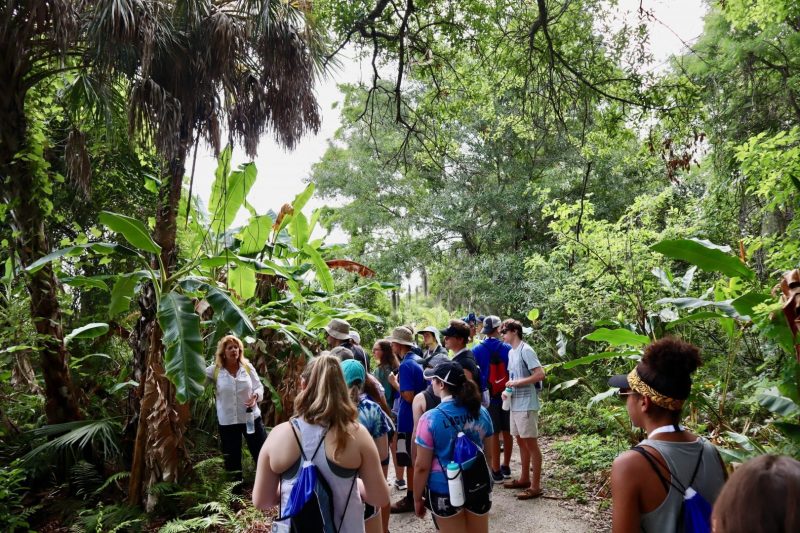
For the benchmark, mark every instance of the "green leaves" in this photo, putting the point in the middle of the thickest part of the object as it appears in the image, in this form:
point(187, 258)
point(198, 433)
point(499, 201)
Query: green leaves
point(618, 337)
point(706, 255)
point(323, 272)
point(229, 191)
point(597, 357)
point(778, 404)
point(131, 229)
point(254, 236)
point(533, 315)
point(89, 331)
point(183, 359)
point(122, 292)
point(71, 251)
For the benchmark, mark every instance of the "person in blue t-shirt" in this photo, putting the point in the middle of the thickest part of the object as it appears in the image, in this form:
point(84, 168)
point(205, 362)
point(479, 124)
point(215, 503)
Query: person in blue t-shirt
point(437, 430)
point(408, 382)
point(492, 347)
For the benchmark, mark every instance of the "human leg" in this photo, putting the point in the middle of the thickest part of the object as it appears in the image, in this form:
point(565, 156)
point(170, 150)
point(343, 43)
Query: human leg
point(475, 523)
point(508, 448)
point(536, 460)
point(231, 444)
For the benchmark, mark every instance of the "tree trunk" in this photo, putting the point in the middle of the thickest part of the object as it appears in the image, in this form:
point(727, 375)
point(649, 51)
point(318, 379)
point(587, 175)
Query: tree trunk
point(159, 451)
point(21, 194)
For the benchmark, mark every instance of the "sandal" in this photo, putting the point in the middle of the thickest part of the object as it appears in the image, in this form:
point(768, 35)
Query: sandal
point(516, 484)
point(529, 494)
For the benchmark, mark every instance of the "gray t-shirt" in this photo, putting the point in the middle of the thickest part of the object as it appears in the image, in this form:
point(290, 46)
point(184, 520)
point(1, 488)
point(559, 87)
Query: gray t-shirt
point(522, 361)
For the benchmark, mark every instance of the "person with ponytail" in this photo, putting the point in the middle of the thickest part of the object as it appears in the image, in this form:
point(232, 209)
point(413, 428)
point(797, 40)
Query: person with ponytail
point(378, 424)
point(324, 416)
point(460, 410)
point(648, 483)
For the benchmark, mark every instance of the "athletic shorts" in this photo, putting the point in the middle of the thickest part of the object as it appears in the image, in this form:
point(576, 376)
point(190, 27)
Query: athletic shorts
point(370, 511)
point(439, 505)
point(501, 420)
point(525, 424)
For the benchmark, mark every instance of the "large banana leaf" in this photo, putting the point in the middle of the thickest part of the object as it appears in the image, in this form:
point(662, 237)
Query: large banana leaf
point(227, 202)
point(225, 309)
point(183, 360)
point(131, 229)
point(103, 248)
point(323, 272)
point(596, 357)
point(89, 331)
point(122, 292)
point(618, 337)
point(254, 236)
point(242, 281)
point(706, 255)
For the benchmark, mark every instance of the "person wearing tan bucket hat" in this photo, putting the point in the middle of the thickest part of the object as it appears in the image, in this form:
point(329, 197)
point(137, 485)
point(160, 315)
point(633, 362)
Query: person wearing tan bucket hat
point(338, 334)
point(408, 382)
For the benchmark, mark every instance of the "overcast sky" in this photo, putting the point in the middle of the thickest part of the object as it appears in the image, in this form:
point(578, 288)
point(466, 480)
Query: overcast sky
point(282, 174)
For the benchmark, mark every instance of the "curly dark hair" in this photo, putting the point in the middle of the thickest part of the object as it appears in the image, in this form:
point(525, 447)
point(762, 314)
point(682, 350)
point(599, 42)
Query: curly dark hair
point(668, 364)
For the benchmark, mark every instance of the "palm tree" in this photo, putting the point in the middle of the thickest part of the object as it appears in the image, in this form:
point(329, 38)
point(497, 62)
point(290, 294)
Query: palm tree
point(196, 68)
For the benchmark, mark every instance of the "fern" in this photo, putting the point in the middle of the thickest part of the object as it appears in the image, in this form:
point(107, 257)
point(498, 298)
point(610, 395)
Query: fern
point(111, 479)
point(84, 478)
point(114, 518)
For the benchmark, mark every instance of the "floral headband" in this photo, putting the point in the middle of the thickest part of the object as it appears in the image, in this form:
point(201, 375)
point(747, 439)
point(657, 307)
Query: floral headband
point(637, 385)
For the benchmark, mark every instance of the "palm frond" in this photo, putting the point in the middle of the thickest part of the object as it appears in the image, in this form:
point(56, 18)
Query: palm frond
point(76, 436)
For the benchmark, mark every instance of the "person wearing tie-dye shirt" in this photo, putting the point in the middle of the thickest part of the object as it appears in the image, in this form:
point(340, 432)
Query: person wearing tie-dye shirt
point(437, 430)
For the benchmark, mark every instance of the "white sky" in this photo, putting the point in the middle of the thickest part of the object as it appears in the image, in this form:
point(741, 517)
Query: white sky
point(282, 174)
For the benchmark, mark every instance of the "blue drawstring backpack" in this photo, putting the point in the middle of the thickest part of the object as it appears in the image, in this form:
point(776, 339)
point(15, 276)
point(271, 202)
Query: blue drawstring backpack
point(475, 473)
point(695, 509)
point(310, 505)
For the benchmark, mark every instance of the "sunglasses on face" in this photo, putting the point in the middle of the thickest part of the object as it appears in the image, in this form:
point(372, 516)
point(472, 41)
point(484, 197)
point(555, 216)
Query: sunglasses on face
point(624, 393)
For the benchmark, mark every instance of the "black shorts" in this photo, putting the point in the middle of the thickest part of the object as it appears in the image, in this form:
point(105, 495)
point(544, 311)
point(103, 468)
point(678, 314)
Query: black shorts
point(370, 511)
point(501, 420)
point(439, 505)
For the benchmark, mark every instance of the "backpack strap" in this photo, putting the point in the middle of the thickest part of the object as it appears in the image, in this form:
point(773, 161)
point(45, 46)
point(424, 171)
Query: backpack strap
point(246, 369)
point(654, 463)
point(295, 429)
point(346, 503)
point(697, 466)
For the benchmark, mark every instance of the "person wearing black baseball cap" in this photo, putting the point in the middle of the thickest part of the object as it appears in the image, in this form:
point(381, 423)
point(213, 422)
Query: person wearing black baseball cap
point(437, 430)
point(456, 336)
point(644, 479)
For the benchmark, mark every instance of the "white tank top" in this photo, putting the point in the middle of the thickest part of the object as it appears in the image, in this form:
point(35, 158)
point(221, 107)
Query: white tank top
point(340, 479)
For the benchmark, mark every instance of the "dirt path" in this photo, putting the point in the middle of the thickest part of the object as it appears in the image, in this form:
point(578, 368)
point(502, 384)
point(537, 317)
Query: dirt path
point(549, 514)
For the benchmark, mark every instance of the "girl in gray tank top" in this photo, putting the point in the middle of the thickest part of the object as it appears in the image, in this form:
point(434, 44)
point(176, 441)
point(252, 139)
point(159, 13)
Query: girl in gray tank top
point(648, 483)
point(346, 498)
point(681, 458)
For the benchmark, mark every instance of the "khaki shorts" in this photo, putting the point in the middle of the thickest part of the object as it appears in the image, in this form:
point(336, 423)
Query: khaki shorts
point(525, 424)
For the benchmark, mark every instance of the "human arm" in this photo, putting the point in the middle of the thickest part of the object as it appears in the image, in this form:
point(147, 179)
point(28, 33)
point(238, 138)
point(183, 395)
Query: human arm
point(376, 492)
point(209, 372)
point(266, 489)
point(626, 515)
point(257, 387)
point(537, 374)
point(392, 379)
point(422, 469)
point(405, 378)
point(382, 444)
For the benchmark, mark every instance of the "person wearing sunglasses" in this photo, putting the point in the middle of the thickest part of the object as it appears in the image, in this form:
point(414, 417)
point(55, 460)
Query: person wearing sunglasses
point(648, 482)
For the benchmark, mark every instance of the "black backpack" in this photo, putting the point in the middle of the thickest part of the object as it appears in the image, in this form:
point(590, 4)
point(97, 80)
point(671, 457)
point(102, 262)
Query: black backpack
point(475, 474)
point(310, 506)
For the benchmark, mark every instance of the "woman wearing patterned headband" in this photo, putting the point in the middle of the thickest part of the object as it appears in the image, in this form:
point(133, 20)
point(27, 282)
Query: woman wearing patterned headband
point(647, 481)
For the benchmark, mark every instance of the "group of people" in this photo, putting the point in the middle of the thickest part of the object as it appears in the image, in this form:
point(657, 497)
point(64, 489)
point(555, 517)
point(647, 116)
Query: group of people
point(474, 381)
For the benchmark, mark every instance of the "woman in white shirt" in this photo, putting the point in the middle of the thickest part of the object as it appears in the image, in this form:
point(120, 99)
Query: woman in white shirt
point(237, 389)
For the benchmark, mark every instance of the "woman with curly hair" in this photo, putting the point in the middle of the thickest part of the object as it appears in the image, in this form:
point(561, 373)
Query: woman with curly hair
point(237, 389)
point(648, 483)
point(326, 420)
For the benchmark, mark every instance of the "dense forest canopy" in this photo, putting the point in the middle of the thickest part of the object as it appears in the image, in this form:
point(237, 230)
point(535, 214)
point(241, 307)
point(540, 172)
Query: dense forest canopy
point(525, 159)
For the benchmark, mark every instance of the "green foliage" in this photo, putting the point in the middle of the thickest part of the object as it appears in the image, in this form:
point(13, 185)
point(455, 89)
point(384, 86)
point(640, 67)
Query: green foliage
point(14, 512)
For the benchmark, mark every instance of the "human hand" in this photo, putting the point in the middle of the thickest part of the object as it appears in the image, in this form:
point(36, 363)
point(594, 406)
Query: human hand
point(393, 381)
point(511, 383)
point(251, 402)
point(419, 507)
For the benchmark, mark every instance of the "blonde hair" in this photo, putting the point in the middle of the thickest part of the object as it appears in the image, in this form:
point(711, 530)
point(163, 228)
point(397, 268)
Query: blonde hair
point(224, 341)
point(326, 400)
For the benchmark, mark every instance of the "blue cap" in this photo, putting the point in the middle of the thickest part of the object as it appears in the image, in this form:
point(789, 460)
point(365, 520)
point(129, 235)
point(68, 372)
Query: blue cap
point(353, 371)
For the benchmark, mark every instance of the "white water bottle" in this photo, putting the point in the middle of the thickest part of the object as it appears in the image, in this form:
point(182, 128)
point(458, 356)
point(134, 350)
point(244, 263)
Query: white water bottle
point(250, 421)
point(507, 398)
point(455, 484)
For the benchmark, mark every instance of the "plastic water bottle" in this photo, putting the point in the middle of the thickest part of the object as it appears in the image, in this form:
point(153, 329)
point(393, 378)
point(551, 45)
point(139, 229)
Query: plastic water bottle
point(507, 398)
point(455, 484)
point(250, 421)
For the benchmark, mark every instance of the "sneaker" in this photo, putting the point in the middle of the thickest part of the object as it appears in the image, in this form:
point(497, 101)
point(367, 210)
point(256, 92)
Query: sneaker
point(403, 505)
point(497, 477)
point(400, 484)
point(506, 471)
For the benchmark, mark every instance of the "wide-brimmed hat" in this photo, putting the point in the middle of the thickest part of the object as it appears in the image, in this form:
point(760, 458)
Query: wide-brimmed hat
point(491, 323)
point(449, 372)
point(402, 335)
point(430, 329)
point(338, 329)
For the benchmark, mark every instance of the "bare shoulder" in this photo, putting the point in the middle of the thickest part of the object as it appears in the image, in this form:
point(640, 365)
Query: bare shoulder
point(628, 462)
